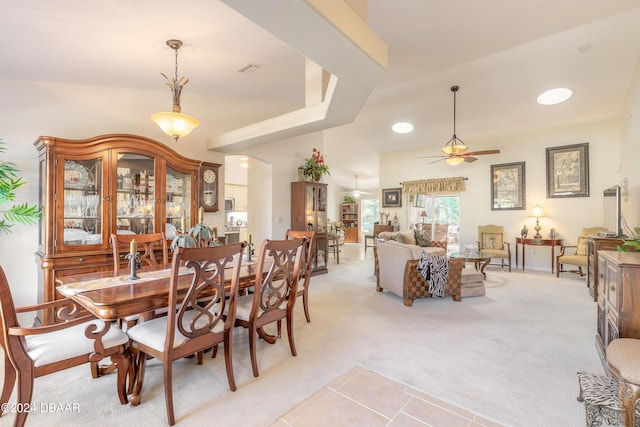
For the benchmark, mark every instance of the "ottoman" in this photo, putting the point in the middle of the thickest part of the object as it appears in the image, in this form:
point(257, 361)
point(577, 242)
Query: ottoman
point(472, 283)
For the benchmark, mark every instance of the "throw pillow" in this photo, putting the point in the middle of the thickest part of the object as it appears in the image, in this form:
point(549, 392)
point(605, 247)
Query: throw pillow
point(583, 243)
point(395, 237)
point(423, 238)
point(492, 241)
point(408, 237)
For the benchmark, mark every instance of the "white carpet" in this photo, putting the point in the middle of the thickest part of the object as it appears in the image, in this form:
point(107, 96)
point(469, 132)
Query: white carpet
point(510, 356)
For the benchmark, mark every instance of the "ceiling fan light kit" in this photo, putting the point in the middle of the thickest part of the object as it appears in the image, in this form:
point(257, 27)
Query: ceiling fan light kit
point(455, 149)
point(174, 123)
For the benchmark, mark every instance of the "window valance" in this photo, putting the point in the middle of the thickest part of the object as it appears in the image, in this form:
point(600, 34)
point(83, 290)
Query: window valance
point(430, 186)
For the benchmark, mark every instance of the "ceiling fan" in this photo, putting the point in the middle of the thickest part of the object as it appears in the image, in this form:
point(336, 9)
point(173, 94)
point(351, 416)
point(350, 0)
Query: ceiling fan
point(455, 149)
point(356, 193)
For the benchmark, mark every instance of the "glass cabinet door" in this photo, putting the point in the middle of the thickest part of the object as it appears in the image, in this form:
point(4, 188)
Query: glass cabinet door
point(135, 200)
point(321, 213)
point(80, 204)
point(178, 202)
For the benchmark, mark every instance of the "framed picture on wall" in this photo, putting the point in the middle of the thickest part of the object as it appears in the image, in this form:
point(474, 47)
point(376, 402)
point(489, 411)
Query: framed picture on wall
point(392, 198)
point(508, 190)
point(568, 171)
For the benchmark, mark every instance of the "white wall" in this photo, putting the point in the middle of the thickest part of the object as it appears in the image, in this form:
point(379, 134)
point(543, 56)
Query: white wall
point(630, 152)
point(568, 215)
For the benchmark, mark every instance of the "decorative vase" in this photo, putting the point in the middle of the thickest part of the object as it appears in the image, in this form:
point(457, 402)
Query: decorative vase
point(316, 176)
point(524, 232)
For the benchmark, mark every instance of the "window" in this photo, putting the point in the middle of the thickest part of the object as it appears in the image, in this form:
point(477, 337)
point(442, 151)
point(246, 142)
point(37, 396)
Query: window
point(370, 209)
point(439, 209)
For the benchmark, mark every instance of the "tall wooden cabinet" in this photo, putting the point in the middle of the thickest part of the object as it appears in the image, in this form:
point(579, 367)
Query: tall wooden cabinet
point(618, 298)
point(309, 212)
point(595, 245)
point(350, 218)
point(94, 187)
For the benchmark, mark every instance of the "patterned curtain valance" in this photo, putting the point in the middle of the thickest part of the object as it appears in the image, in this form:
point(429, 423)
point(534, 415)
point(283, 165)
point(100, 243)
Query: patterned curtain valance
point(430, 186)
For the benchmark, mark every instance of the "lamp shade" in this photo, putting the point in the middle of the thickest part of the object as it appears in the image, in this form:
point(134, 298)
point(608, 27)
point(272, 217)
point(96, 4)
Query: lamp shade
point(454, 160)
point(175, 124)
point(537, 212)
point(424, 213)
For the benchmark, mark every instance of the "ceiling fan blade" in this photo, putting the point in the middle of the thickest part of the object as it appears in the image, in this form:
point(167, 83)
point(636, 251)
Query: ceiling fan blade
point(470, 159)
point(480, 153)
point(432, 157)
point(436, 161)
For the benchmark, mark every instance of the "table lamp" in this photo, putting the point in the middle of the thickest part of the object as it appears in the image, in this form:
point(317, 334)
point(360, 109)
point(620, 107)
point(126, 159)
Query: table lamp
point(423, 215)
point(537, 212)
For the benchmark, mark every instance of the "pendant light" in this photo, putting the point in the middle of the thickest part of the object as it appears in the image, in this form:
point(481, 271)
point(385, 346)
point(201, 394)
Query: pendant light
point(454, 145)
point(174, 123)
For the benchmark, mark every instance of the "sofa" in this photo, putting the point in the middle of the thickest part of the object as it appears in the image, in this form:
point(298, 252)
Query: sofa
point(398, 272)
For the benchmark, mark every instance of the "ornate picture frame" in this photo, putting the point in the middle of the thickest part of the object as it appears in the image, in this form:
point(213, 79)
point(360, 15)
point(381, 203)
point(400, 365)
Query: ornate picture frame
point(568, 171)
point(392, 197)
point(508, 187)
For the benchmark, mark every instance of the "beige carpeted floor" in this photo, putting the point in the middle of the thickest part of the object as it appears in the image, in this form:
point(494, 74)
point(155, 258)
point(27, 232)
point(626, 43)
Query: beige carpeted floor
point(510, 357)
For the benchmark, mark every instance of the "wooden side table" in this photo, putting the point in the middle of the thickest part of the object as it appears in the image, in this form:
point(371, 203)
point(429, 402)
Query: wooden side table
point(538, 242)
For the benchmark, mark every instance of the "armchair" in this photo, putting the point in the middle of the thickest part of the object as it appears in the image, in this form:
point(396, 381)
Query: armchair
point(491, 242)
point(578, 254)
point(31, 352)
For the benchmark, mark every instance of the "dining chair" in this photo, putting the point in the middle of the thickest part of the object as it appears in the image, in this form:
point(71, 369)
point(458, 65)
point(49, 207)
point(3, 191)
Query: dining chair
point(197, 320)
point(306, 265)
point(146, 245)
point(275, 293)
point(75, 338)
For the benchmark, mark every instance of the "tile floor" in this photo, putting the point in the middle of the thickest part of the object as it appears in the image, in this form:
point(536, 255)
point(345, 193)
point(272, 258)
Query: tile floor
point(364, 398)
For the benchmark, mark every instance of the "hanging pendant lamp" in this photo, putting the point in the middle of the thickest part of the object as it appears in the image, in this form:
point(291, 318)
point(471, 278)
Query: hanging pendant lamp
point(174, 123)
point(454, 145)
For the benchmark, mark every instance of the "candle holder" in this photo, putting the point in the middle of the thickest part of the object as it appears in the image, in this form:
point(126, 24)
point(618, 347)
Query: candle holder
point(134, 265)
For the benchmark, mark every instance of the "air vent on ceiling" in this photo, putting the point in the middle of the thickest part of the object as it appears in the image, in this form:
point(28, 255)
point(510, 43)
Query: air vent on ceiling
point(248, 68)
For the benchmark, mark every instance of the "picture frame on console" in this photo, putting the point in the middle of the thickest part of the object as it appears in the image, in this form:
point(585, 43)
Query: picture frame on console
point(392, 197)
point(508, 189)
point(568, 171)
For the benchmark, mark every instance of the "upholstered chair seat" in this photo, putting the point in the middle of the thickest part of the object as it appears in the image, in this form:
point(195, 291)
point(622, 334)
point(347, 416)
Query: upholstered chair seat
point(576, 255)
point(69, 343)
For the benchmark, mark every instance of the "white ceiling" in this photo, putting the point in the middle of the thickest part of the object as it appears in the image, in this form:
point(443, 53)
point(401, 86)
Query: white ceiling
point(501, 53)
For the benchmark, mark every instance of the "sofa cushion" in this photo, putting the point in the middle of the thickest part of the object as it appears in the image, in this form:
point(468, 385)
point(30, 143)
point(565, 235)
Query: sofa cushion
point(492, 241)
point(408, 237)
point(423, 238)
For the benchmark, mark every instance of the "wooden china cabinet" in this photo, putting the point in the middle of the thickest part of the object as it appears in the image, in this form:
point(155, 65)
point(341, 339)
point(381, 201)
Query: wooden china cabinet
point(309, 212)
point(93, 187)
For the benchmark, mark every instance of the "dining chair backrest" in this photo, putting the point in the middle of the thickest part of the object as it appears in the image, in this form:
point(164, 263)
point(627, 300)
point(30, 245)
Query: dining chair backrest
point(203, 306)
point(306, 267)
point(307, 262)
point(276, 288)
point(146, 248)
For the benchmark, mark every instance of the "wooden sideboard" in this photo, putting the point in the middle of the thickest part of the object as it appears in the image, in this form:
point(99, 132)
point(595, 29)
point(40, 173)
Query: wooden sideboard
point(597, 244)
point(618, 298)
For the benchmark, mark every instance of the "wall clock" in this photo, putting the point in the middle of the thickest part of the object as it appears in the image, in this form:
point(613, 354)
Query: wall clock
point(209, 186)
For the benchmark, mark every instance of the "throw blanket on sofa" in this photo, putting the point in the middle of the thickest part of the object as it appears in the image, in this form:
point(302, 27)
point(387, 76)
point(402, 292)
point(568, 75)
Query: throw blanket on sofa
point(435, 270)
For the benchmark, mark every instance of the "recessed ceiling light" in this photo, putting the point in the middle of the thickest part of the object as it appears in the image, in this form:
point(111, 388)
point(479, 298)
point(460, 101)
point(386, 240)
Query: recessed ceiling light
point(554, 96)
point(402, 127)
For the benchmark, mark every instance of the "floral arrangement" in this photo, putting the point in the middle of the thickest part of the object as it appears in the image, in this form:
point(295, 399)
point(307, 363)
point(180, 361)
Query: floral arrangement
point(315, 166)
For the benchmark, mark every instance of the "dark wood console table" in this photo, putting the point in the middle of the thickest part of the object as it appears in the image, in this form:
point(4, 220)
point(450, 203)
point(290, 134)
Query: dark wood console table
point(538, 242)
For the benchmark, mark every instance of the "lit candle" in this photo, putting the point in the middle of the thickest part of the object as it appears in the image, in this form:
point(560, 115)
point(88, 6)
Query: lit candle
point(183, 223)
point(133, 248)
point(201, 215)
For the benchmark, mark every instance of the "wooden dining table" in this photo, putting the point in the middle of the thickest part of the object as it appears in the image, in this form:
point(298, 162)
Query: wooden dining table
point(110, 295)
